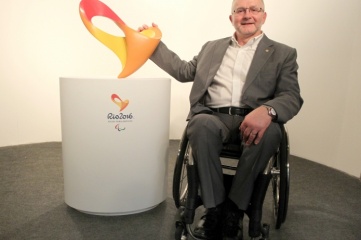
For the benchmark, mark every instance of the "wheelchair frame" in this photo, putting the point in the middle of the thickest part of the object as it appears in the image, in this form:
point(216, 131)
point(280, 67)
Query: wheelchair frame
point(187, 199)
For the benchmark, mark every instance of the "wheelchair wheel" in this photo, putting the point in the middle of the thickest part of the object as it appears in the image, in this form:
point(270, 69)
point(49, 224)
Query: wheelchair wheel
point(281, 181)
point(180, 182)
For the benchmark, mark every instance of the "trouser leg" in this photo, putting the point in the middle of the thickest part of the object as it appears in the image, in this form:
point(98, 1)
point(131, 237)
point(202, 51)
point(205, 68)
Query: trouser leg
point(206, 134)
point(252, 162)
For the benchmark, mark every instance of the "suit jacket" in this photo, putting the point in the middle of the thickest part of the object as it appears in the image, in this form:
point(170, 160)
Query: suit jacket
point(272, 78)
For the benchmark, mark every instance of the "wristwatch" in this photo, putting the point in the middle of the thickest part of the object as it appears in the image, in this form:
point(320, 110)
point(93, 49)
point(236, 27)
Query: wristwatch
point(271, 112)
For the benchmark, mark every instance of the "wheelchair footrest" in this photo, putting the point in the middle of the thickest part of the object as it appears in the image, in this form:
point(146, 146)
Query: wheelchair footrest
point(184, 216)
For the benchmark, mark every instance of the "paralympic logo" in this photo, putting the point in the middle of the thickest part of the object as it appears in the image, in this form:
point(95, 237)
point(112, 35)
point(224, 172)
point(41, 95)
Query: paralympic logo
point(120, 117)
point(119, 128)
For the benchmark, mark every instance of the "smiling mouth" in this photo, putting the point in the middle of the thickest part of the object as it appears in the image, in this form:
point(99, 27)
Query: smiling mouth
point(247, 23)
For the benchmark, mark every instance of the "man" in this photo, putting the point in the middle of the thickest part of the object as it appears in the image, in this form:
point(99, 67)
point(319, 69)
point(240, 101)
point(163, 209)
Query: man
point(244, 85)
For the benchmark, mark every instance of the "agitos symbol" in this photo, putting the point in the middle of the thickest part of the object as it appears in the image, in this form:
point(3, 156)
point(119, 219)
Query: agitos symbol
point(133, 50)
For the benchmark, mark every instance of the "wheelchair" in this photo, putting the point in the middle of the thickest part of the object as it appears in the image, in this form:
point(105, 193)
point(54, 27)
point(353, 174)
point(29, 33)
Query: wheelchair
point(186, 189)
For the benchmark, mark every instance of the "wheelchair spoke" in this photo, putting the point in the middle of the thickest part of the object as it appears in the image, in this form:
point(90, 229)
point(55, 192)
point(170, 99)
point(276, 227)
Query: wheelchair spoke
point(183, 194)
point(276, 195)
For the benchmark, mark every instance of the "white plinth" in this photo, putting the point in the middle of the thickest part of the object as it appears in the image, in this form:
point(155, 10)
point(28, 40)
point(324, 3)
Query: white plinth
point(115, 162)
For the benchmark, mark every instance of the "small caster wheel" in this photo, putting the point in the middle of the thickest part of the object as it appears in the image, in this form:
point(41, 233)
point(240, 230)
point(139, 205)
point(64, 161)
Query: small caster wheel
point(265, 232)
point(180, 231)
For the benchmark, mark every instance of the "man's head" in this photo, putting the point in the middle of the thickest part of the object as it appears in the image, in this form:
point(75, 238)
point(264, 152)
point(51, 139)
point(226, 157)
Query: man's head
point(247, 17)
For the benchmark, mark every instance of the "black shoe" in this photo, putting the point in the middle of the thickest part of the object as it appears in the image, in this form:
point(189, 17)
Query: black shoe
point(232, 222)
point(210, 227)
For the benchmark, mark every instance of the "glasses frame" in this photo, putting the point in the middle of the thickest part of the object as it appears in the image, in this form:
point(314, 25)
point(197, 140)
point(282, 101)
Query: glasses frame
point(251, 10)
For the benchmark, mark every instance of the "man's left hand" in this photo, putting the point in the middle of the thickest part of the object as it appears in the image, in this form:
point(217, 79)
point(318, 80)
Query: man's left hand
point(254, 125)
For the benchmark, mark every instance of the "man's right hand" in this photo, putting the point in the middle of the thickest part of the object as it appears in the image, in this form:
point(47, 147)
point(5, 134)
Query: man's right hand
point(145, 27)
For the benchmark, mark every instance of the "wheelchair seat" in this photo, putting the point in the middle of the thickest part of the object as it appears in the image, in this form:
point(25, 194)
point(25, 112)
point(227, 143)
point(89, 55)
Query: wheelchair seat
point(186, 188)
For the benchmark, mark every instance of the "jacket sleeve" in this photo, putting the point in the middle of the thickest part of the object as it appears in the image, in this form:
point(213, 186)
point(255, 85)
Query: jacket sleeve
point(287, 100)
point(170, 62)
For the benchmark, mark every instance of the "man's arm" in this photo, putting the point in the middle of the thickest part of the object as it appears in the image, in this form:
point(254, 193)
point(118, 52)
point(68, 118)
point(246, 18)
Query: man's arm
point(286, 102)
point(170, 62)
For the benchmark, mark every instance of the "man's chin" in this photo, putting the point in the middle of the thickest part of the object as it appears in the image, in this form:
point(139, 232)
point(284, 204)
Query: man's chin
point(248, 33)
point(248, 29)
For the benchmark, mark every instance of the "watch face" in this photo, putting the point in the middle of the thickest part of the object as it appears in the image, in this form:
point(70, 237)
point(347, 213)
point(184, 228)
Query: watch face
point(273, 112)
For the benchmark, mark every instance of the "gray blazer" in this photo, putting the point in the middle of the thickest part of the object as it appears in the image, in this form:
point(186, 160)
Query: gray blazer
point(272, 78)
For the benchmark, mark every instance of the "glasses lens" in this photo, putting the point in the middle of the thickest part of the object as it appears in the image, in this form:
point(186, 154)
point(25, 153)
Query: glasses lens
point(252, 10)
point(240, 10)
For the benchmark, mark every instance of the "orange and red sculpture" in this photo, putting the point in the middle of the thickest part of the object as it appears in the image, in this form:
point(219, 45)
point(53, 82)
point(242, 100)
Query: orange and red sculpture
point(133, 50)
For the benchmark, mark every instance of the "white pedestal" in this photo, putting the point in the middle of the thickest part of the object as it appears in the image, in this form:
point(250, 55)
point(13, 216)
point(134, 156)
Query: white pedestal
point(115, 162)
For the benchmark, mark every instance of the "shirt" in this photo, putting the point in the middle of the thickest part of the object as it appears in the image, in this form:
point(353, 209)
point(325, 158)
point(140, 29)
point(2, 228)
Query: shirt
point(226, 87)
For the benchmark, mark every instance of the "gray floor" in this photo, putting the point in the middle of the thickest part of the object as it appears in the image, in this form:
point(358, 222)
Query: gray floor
point(324, 203)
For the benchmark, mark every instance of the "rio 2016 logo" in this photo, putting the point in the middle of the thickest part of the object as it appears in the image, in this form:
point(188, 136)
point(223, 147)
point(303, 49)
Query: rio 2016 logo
point(120, 117)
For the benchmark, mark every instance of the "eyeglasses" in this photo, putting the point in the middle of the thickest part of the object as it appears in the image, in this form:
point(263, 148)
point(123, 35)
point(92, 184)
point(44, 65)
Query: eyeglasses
point(252, 10)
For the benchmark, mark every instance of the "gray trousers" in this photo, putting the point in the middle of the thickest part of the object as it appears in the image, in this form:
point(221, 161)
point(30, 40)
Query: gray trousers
point(207, 133)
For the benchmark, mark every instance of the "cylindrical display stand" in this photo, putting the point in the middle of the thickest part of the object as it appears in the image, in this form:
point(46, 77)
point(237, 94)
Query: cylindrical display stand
point(115, 137)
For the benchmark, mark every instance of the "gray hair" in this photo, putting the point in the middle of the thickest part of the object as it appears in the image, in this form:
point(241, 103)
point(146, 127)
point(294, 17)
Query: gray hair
point(236, 0)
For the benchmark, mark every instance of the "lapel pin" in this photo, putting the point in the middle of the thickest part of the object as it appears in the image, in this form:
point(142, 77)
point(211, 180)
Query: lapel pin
point(267, 50)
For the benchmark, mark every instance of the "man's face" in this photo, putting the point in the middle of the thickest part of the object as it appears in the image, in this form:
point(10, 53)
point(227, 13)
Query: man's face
point(247, 17)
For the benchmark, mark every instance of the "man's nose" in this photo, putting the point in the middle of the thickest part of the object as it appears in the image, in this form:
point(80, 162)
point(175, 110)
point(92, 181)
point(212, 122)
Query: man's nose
point(247, 13)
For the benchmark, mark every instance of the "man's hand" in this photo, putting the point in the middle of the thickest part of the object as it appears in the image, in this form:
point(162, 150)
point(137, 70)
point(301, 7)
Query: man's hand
point(145, 27)
point(254, 125)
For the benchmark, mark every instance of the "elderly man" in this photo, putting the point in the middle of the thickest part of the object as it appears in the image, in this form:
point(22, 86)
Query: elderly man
point(243, 87)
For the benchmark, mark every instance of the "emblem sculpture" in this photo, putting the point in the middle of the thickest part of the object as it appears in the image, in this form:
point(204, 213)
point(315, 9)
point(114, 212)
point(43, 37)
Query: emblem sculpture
point(133, 50)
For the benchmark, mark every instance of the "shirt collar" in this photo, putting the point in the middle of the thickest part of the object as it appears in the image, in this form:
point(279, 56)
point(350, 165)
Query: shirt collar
point(252, 43)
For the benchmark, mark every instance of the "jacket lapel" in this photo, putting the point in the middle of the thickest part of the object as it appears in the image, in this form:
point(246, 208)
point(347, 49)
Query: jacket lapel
point(217, 57)
point(261, 56)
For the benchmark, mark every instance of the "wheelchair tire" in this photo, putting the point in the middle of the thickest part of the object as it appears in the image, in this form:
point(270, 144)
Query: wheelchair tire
point(286, 176)
point(180, 175)
point(281, 182)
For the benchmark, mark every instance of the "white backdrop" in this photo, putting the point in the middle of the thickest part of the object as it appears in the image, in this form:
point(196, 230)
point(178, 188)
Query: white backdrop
point(42, 40)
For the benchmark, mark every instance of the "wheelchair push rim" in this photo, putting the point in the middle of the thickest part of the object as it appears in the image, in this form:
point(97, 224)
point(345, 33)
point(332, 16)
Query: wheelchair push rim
point(281, 181)
point(180, 183)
